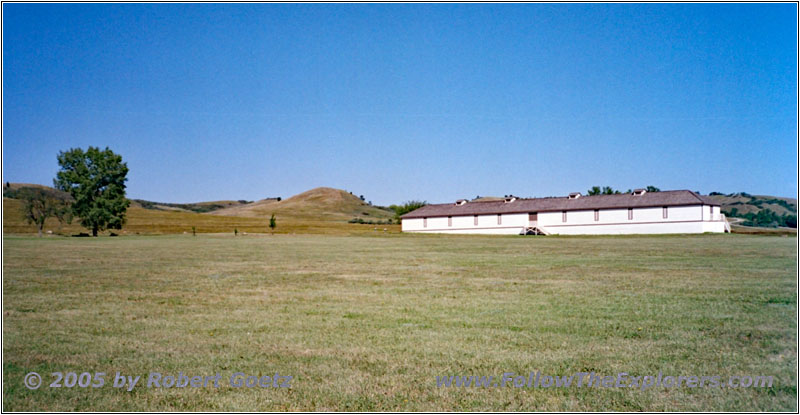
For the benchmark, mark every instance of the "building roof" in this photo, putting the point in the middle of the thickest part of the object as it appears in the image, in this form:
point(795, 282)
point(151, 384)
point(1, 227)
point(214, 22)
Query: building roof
point(550, 204)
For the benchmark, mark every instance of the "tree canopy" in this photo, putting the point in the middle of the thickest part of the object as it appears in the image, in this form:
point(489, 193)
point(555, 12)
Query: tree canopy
point(400, 210)
point(608, 190)
point(40, 203)
point(96, 181)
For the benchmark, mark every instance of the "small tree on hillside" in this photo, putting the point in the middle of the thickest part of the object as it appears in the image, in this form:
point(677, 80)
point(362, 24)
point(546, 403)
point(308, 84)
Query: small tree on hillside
point(38, 204)
point(96, 181)
point(272, 223)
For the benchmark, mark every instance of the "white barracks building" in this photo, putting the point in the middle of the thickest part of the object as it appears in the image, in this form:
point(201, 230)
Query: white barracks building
point(639, 212)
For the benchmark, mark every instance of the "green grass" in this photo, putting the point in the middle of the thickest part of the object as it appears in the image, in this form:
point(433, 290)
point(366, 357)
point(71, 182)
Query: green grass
point(368, 322)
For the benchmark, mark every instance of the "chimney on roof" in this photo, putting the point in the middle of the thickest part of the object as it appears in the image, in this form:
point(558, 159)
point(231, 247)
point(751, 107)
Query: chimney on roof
point(575, 195)
point(639, 192)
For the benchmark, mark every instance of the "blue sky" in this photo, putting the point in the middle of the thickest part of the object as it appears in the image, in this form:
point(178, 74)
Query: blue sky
point(406, 101)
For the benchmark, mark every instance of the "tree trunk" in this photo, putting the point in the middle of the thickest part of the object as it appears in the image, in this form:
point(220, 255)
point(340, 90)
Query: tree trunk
point(94, 231)
point(40, 230)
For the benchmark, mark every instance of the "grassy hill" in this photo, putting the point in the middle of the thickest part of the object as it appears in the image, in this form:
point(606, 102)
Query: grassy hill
point(321, 203)
point(768, 211)
point(321, 210)
point(11, 187)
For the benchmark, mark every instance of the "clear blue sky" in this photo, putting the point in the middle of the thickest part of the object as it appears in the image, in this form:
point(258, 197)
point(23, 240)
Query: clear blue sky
point(406, 101)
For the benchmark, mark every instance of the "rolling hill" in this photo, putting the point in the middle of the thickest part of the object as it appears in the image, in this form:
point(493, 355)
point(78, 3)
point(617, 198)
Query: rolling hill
point(320, 210)
point(756, 210)
point(321, 203)
point(746, 203)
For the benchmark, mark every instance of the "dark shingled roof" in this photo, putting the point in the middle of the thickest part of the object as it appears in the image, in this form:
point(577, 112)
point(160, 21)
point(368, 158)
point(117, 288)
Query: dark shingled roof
point(550, 204)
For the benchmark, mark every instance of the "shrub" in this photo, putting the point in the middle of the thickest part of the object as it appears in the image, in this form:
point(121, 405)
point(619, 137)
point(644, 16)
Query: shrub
point(411, 205)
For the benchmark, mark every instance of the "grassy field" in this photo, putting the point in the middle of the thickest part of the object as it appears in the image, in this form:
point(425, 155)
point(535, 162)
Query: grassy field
point(368, 322)
point(150, 221)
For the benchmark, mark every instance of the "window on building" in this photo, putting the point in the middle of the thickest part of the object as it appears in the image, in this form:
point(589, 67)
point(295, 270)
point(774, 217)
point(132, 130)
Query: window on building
point(664, 213)
point(499, 219)
point(424, 222)
point(449, 221)
point(596, 215)
point(563, 216)
point(711, 210)
point(630, 213)
point(475, 218)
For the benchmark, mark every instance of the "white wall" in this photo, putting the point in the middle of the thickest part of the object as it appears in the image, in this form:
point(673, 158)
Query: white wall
point(487, 224)
point(717, 226)
point(680, 219)
point(632, 228)
point(707, 215)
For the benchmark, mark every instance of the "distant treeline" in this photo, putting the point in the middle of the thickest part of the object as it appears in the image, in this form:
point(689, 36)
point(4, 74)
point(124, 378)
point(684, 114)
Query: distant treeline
point(19, 193)
point(608, 190)
point(765, 217)
point(187, 206)
point(371, 222)
point(194, 207)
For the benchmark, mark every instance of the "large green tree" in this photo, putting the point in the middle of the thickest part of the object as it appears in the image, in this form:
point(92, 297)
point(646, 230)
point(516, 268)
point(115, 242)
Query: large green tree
point(96, 180)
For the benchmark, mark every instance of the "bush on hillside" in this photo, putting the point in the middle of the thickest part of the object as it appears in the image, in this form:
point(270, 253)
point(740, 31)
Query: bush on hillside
point(766, 219)
point(361, 221)
point(411, 205)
